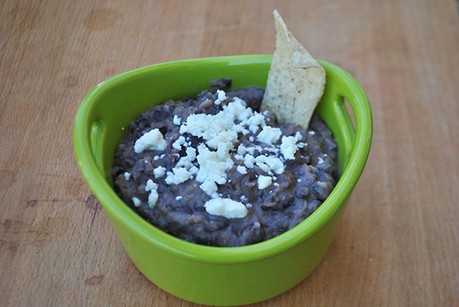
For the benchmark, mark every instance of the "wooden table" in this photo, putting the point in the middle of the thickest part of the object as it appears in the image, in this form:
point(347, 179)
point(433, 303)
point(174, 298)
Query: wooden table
point(398, 243)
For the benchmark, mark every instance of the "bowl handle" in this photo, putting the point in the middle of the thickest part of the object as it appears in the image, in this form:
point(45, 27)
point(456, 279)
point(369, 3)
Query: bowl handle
point(97, 131)
point(356, 139)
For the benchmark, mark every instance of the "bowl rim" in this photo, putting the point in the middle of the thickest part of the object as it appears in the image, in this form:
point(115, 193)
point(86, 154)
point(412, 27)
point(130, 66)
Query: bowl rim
point(223, 255)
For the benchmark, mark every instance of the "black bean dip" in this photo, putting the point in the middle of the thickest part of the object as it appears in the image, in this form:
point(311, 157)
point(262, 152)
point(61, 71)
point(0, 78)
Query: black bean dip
point(212, 170)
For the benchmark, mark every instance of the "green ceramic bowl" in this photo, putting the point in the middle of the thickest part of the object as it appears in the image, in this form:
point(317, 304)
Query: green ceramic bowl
point(217, 275)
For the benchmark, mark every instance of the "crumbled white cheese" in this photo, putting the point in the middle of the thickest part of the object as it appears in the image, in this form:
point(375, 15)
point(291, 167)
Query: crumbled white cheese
point(320, 160)
point(240, 129)
point(264, 167)
point(251, 150)
point(221, 96)
point(136, 201)
point(301, 144)
point(151, 140)
point(176, 120)
point(273, 149)
point(269, 135)
point(224, 139)
point(187, 161)
point(127, 176)
point(241, 149)
point(212, 168)
point(244, 116)
point(249, 160)
point(209, 126)
point(153, 198)
point(209, 186)
point(264, 182)
point(288, 147)
point(255, 122)
point(298, 136)
point(178, 197)
point(178, 143)
point(238, 109)
point(311, 132)
point(159, 171)
point(241, 169)
point(274, 163)
point(179, 175)
point(226, 207)
point(150, 185)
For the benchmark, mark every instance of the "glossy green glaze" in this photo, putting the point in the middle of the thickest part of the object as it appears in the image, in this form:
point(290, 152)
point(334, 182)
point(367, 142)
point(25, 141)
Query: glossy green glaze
point(213, 275)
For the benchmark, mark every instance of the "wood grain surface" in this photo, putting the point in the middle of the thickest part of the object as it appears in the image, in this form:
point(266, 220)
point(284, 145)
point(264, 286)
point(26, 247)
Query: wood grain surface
point(398, 243)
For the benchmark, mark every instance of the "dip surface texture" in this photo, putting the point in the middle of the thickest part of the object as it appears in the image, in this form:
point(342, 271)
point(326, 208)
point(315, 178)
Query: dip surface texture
point(212, 170)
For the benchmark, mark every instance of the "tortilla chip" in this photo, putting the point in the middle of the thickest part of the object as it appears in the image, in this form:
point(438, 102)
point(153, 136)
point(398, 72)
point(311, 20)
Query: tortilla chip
point(296, 81)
